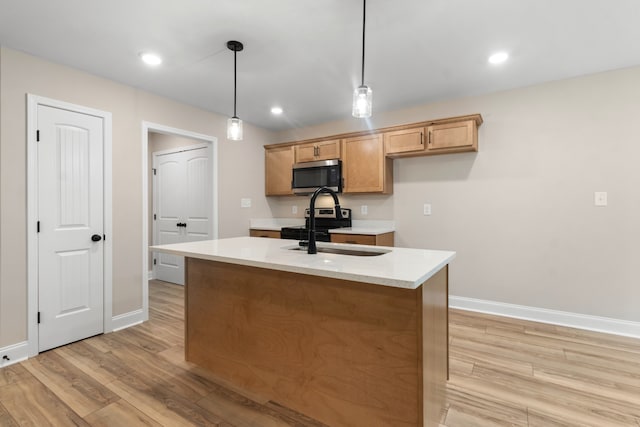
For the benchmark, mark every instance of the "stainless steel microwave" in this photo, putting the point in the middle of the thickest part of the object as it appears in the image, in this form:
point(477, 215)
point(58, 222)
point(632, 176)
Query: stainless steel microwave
point(309, 176)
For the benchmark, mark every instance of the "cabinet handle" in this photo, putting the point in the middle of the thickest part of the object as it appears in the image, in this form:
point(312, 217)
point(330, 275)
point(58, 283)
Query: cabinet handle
point(421, 138)
point(429, 142)
point(351, 241)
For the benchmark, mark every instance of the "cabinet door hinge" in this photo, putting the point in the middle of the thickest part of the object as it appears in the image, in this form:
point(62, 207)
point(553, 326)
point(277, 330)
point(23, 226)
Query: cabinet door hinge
point(154, 261)
point(154, 217)
point(154, 171)
point(37, 136)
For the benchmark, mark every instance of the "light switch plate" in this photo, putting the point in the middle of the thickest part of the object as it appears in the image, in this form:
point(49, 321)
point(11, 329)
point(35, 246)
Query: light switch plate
point(364, 209)
point(426, 210)
point(294, 209)
point(600, 198)
point(245, 203)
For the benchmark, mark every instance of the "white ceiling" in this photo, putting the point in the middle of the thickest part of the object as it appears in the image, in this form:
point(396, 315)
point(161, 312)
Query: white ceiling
point(304, 55)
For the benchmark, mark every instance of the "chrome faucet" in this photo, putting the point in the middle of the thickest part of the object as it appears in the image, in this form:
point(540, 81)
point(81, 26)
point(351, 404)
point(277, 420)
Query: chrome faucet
point(311, 249)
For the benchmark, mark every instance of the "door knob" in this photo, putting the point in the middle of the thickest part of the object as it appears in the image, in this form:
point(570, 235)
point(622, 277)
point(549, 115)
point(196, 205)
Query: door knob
point(96, 237)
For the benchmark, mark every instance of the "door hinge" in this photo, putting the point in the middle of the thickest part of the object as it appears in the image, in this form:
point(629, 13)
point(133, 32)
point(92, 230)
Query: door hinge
point(154, 171)
point(154, 217)
point(37, 136)
point(38, 317)
point(104, 237)
point(154, 261)
point(38, 227)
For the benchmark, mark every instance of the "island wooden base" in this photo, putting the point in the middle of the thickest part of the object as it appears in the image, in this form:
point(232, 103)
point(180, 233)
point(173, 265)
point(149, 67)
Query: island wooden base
point(345, 353)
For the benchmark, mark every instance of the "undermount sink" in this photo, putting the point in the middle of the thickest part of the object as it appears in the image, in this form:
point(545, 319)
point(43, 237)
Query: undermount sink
point(343, 251)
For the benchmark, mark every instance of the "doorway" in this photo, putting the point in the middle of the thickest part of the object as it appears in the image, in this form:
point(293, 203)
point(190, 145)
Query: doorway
point(69, 223)
point(181, 201)
point(173, 140)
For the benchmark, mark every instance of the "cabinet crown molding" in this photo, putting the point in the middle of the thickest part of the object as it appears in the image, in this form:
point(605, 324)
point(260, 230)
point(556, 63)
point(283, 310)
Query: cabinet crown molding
point(476, 117)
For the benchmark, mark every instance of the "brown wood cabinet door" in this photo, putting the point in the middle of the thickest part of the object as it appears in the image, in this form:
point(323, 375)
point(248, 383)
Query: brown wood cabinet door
point(404, 141)
point(385, 239)
point(453, 137)
point(305, 153)
point(323, 150)
point(278, 166)
point(328, 150)
point(365, 168)
point(356, 239)
point(272, 234)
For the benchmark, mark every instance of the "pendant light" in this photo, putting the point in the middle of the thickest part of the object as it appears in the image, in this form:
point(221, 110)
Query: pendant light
point(362, 95)
point(234, 124)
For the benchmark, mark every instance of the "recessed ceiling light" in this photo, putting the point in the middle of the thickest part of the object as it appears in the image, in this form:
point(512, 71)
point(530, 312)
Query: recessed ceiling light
point(150, 59)
point(276, 111)
point(498, 58)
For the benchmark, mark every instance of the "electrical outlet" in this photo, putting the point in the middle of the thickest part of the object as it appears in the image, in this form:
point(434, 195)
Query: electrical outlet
point(600, 198)
point(426, 210)
point(364, 209)
point(245, 203)
point(294, 210)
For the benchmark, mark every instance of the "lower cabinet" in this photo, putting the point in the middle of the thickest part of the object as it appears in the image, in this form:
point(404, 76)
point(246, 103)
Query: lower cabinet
point(273, 234)
point(385, 239)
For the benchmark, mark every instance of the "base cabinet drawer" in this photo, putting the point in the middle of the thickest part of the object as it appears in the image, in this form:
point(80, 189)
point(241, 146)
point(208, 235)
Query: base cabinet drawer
point(273, 234)
point(385, 239)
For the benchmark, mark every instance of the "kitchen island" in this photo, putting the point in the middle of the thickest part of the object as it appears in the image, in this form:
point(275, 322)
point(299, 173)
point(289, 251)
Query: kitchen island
point(347, 340)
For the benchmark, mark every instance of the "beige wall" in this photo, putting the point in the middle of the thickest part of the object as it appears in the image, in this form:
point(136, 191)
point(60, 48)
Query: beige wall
point(520, 212)
point(241, 172)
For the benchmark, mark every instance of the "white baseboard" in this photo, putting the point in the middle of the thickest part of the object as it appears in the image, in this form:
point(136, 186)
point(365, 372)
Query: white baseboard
point(15, 353)
point(543, 315)
point(126, 320)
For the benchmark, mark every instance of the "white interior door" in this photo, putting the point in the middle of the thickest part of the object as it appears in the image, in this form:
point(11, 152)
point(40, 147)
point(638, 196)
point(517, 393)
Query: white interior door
point(71, 215)
point(182, 206)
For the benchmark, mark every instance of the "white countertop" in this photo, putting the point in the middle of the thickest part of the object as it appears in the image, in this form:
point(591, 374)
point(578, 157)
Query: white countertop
point(400, 267)
point(274, 224)
point(370, 227)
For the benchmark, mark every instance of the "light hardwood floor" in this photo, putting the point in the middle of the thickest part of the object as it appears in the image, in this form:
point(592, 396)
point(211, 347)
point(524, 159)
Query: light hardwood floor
point(504, 372)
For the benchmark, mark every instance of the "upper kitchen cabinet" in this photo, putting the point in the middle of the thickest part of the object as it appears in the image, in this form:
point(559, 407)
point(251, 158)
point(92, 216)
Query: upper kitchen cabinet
point(365, 169)
point(367, 156)
point(278, 166)
point(322, 150)
point(405, 141)
point(452, 137)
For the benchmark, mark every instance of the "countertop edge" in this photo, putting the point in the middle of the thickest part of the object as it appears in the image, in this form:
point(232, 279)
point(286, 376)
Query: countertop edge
point(362, 278)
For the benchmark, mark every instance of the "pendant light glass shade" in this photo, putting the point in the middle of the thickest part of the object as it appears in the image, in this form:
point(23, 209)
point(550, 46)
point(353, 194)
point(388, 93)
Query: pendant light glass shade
point(362, 101)
point(234, 129)
point(362, 96)
point(234, 124)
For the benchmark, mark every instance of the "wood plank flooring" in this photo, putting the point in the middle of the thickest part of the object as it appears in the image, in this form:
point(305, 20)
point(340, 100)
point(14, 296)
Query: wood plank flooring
point(504, 372)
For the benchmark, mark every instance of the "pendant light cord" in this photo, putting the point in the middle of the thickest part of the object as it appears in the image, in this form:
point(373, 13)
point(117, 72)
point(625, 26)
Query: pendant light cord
point(235, 79)
point(364, 20)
